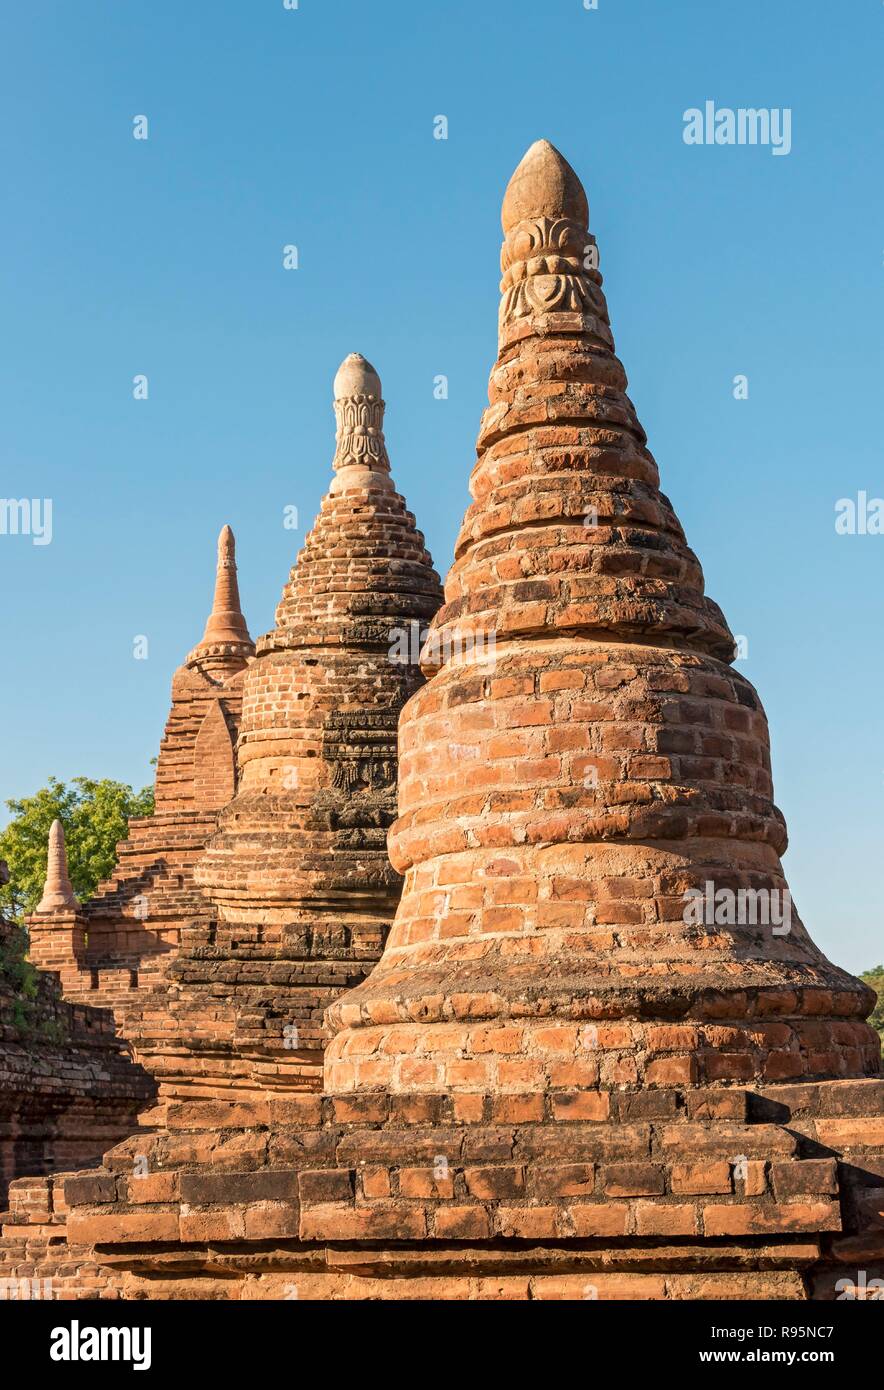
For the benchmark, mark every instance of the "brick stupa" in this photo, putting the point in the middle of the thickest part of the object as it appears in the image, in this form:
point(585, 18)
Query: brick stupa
point(565, 975)
point(558, 800)
point(58, 891)
point(301, 888)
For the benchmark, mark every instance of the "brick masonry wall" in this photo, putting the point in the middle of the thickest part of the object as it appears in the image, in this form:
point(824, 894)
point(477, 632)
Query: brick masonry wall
point(68, 1089)
point(697, 1193)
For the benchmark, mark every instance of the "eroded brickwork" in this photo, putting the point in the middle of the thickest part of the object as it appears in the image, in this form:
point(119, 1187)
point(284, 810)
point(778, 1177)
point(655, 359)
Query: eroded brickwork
point(68, 1089)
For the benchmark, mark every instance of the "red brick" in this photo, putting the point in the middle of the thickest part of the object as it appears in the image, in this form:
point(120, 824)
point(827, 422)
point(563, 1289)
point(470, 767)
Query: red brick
point(527, 1223)
point(632, 1179)
point(753, 1218)
point(810, 1175)
point(665, 1219)
point(462, 1223)
point(599, 1218)
point(495, 1183)
point(581, 1105)
point(701, 1177)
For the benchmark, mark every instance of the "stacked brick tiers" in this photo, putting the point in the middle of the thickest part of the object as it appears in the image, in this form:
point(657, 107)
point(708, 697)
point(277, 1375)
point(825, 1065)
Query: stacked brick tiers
point(302, 890)
point(562, 791)
point(114, 950)
point(704, 1193)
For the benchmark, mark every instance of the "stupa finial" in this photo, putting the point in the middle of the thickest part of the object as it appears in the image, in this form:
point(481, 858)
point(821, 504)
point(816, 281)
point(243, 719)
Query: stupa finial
point(226, 634)
point(544, 185)
point(549, 258)
point(58, 892)
point(360, 452)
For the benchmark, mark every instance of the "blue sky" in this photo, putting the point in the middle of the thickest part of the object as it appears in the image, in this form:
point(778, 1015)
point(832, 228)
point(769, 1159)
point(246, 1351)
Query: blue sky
point(314, 127)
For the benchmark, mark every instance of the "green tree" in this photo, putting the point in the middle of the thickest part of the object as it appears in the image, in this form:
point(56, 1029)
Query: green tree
point(94, 816)
point(875, 978)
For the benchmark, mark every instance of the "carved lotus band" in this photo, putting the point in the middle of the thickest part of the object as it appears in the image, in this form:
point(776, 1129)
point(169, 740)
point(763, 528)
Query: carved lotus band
point(544, 270)
point(544, 236)
point(360, 437)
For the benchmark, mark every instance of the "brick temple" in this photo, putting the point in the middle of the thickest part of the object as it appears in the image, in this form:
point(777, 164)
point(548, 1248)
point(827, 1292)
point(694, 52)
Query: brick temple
point(565, 1034)
point(123, 937)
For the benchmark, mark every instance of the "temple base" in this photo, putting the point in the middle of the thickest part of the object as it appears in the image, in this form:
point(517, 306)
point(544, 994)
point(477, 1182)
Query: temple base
point(703, 1193)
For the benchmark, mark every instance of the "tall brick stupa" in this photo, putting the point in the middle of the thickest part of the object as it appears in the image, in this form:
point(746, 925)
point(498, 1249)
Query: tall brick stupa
point(569, 806)
point(600, 1049)
point(298, 876)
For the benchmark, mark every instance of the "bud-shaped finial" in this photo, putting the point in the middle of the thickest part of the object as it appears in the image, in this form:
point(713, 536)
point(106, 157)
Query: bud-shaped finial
point(544, 185)
point(549, 257)
point(357, 377)
point(360, 452)
point(58, 893)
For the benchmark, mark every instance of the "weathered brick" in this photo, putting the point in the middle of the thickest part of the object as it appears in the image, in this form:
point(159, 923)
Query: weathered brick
point(754, 1218)
point(462, 1223)
point(701, 1177)
point(496, 1182)
point(326, 1185)
point(202, 1188)
point(665, 1219)
point(426, 1182)
point(581, 1105)
point(599, 1218)
point(527, 1223)
point(809, 1176)
point(567, 1180)
point(632, 1179)
point(374, 1221)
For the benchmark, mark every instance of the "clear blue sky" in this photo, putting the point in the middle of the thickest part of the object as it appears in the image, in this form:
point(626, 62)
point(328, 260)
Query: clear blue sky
point(314, 127)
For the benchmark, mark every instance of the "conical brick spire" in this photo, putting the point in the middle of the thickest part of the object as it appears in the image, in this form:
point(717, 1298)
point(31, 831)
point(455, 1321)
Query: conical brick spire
point(226, 636)
point(585, 815)
point(299, 871)
point(58, 894)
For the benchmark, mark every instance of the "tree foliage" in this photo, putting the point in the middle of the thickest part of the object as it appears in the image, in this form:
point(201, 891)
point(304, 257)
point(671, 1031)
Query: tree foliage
point(875, 978)
point(94, 816)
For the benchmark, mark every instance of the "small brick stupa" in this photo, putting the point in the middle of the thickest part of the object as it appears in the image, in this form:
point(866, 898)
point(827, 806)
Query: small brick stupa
point(58, 891)
point(301, 887)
